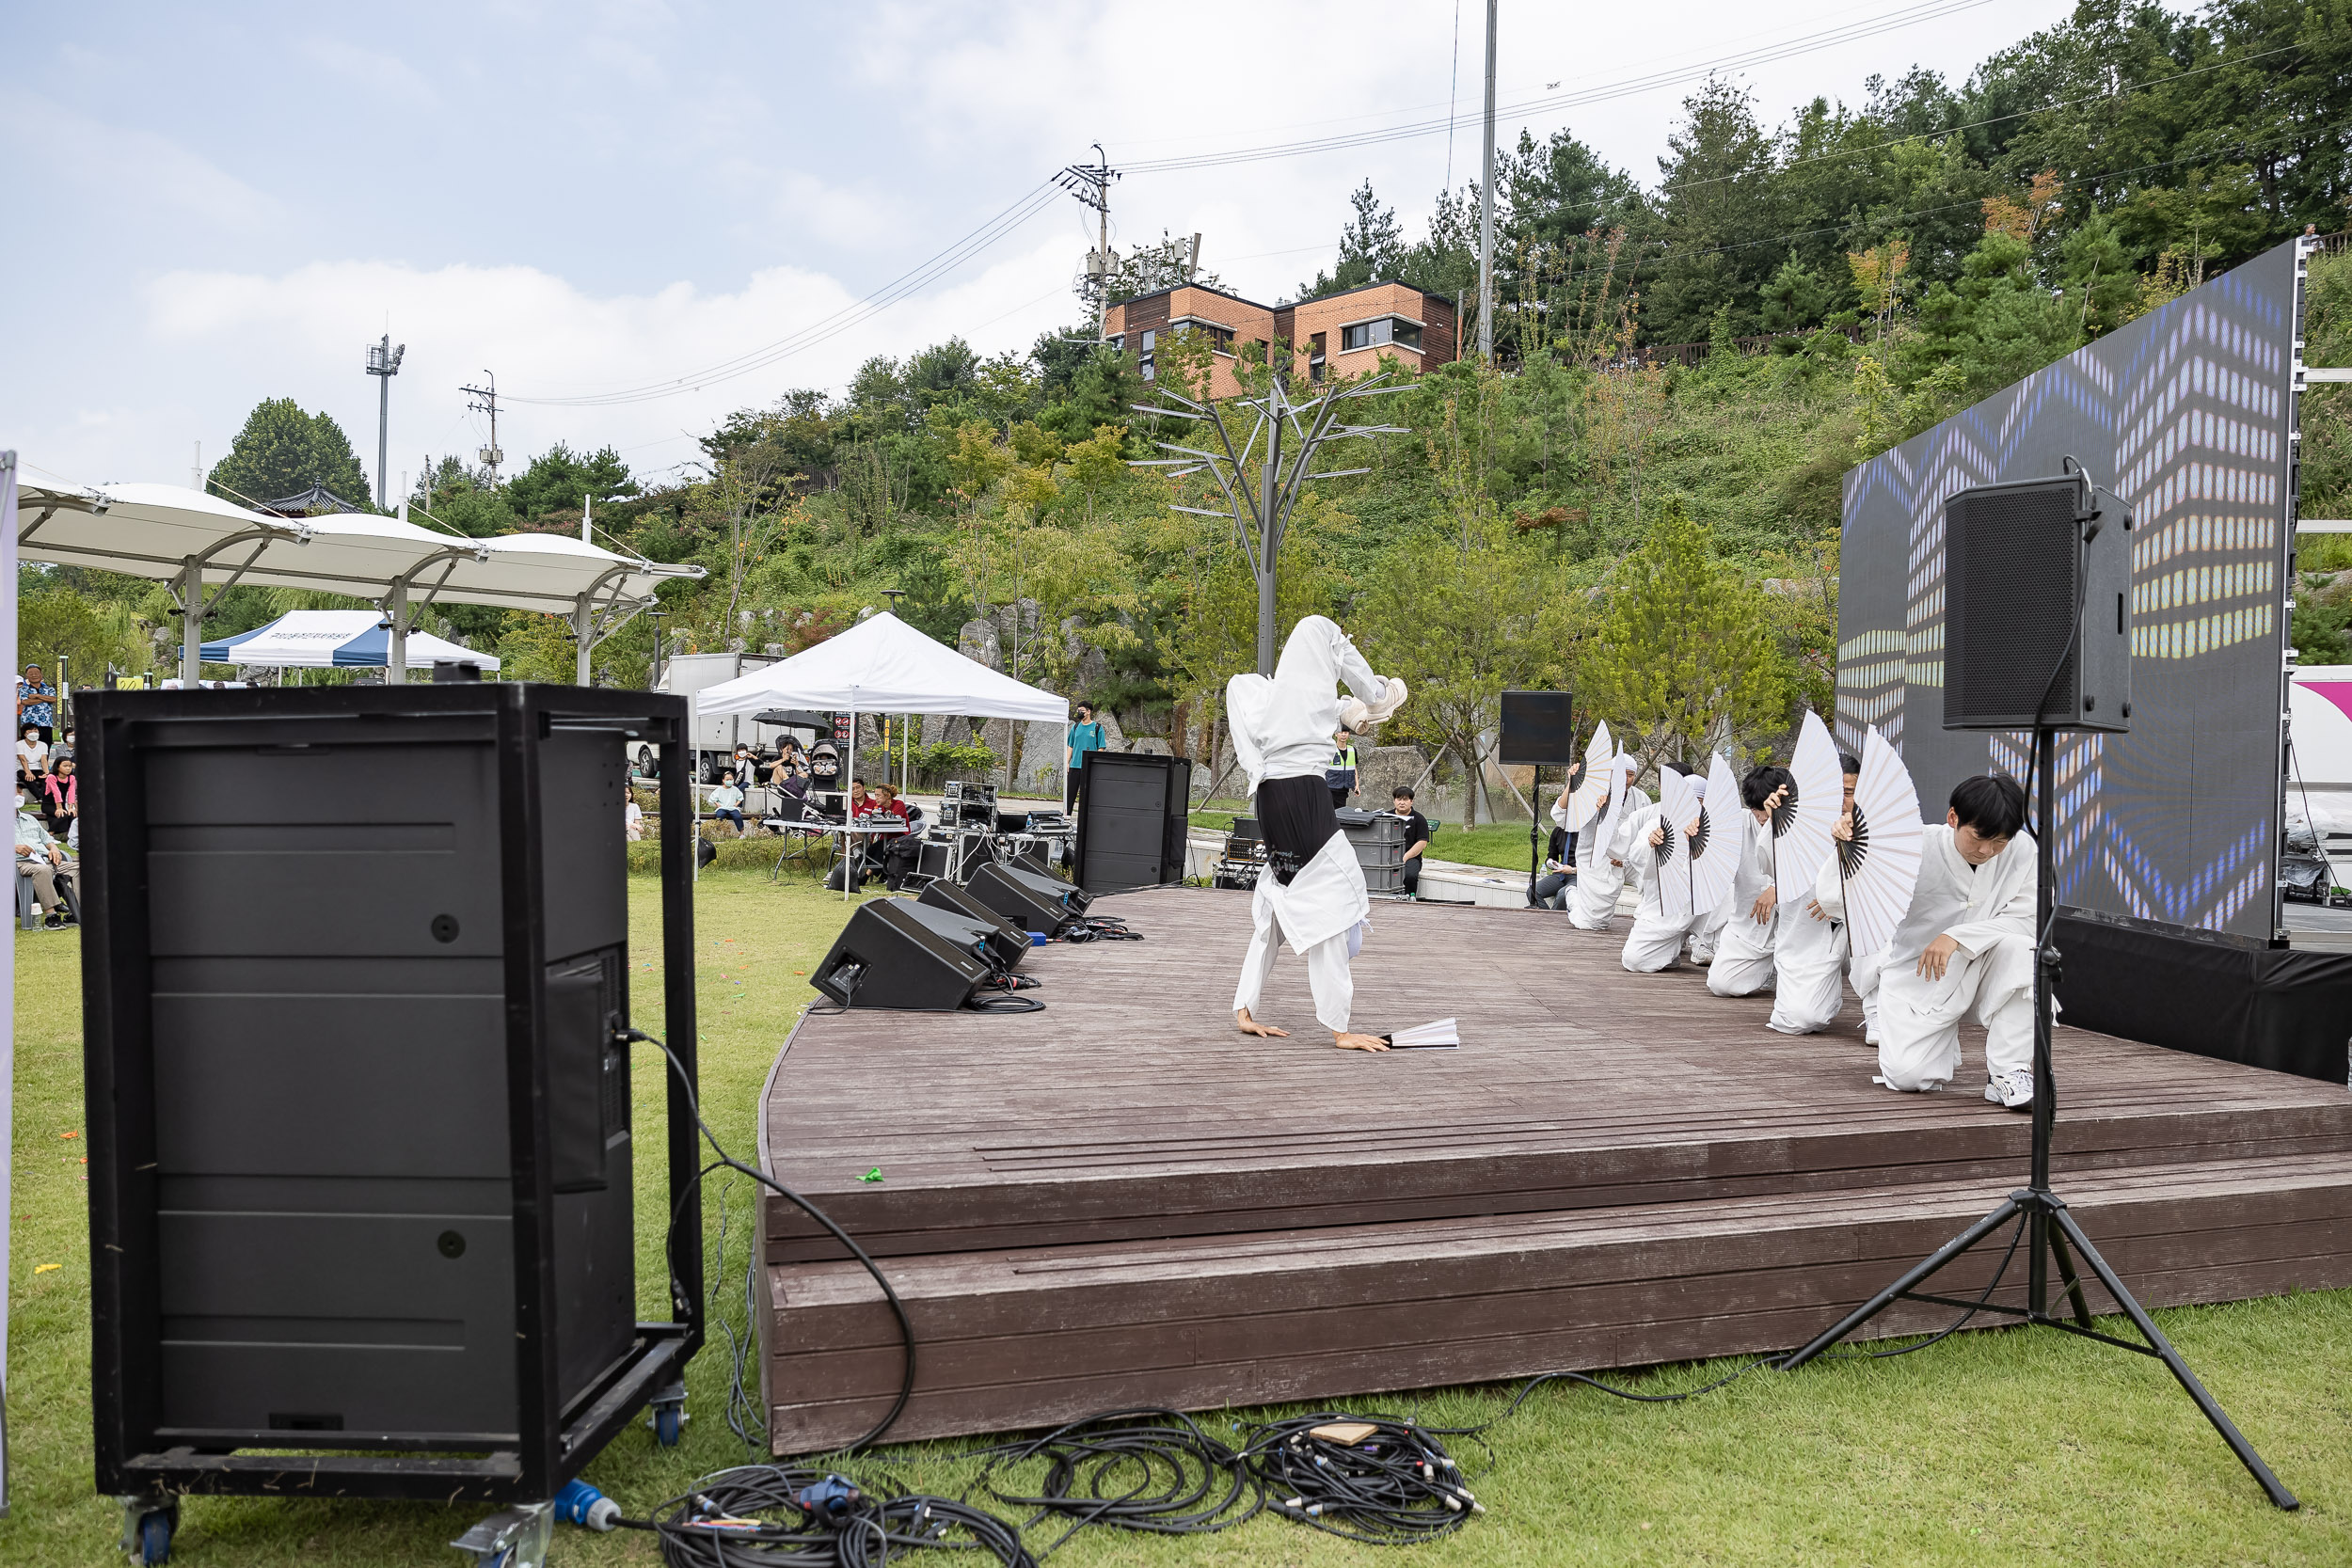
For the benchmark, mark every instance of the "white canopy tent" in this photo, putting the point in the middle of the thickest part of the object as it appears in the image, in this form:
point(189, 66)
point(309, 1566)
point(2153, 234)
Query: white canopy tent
point(334, 639)
point(202, 543)
point(883, 665)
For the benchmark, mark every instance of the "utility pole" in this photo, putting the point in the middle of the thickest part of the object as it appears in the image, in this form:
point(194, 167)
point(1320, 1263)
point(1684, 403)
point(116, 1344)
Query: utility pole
point(196, 468)
point(1091, 185)
point(484, 400)
point(384, 364)
point(1487, 209)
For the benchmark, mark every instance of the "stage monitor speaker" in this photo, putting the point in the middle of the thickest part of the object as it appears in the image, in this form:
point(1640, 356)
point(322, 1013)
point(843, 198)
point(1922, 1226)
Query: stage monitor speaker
point(1050, 884)
point(1009, 942)
point(1014, 895)
point(356, 976)
point(2030, 567)
point(1538, 730)
point(1132, 814)
point(890, 956)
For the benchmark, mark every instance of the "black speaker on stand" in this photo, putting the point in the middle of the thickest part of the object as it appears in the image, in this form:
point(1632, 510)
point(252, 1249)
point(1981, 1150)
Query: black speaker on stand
point(355, 975)
point(2037, 636)
point(1538, 731)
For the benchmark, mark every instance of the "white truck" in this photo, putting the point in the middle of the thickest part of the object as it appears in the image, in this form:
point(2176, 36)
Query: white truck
point(716, 736)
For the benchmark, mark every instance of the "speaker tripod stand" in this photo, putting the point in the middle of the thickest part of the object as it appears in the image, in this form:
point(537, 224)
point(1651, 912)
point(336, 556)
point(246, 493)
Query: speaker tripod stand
point(2050, 1232)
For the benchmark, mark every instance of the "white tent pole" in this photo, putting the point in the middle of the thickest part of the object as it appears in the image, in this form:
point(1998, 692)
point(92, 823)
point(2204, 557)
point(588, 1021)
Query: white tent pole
point(397, 649)
point(849, 812)
point(191, 620)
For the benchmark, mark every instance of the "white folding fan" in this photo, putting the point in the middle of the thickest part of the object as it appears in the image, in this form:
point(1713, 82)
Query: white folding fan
point(1678, 804)
point(1621, 770)
point(1593, 793)
point(1715, 853)
point(1881, 865)
point(1801, 824)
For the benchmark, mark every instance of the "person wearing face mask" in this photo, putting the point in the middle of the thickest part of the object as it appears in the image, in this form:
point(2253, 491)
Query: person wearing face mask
point(1811, 952)
point(1965, 950)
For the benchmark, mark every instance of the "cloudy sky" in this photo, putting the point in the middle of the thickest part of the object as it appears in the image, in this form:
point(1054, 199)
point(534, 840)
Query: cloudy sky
point(218, 204)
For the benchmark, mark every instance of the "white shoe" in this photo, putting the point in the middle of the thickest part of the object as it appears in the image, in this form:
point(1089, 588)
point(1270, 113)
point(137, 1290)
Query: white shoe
point(2011, 1090)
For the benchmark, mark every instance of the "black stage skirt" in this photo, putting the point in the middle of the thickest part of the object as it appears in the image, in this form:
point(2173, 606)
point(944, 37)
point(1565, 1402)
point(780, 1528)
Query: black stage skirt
point(1294, 816)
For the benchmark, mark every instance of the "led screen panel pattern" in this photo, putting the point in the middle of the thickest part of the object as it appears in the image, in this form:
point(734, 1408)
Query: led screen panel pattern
point(2183, 414)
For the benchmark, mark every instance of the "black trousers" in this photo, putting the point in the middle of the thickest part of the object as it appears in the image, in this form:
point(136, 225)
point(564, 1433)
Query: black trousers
point(1294, 816)
point(1413, 875)
point(1551, 891)
point(1069, 790)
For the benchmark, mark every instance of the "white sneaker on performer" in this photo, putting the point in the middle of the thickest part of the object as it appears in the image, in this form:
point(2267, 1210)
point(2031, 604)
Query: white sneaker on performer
point(2013, 1089)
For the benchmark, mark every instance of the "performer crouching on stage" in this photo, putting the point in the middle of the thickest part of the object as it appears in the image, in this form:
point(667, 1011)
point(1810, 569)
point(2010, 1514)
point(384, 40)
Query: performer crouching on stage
point(1600, 872)
point(1810, 954)
point(1655, 940)
point(1312, 892)
point(1744, 952)
point(1966, 948)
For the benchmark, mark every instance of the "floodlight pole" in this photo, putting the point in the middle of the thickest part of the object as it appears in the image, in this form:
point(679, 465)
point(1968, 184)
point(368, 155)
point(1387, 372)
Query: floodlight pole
point(1487, 211)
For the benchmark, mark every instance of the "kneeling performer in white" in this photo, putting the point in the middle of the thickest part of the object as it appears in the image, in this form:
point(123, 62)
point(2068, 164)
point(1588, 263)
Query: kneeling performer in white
point(1312, 892)
point(1965, 949)
point(1744, 952)
point(1811, 951)
point(1662, 836)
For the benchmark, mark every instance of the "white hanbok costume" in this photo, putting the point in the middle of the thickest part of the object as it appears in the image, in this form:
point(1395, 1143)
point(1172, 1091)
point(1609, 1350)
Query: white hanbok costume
point(1989, 910)
point(1744, 950)
point(1810, 956)
point(1282, 729)
point(1601, 869)
point(1655, 940)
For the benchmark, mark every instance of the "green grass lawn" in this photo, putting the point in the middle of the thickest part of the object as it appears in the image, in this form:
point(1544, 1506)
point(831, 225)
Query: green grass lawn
point(1988, 1449)
point(1504, 847)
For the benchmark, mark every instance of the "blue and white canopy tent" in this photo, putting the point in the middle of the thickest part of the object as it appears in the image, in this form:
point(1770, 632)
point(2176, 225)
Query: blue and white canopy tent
point(335, 639)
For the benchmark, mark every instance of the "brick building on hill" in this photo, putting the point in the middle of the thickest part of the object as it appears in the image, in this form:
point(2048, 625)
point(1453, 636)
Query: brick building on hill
point(1344, 334)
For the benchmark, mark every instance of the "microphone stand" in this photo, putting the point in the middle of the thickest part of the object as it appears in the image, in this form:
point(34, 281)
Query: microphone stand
point(2048, 1226)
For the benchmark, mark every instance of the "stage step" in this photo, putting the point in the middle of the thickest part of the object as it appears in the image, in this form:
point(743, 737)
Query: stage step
point(1012, 1339)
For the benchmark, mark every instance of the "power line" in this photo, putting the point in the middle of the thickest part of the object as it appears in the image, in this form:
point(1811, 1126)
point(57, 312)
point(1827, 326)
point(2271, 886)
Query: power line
point(1033, 201)
point(1926, 11)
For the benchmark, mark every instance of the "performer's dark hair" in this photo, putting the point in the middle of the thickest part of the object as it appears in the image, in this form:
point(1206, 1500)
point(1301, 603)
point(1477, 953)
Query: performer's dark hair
point(1758, 785)
point(1848, 764)
point(1992, 803)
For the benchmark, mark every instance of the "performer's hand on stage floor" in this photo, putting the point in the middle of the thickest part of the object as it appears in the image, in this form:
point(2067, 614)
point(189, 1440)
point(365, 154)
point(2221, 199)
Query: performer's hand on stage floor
point(1251, 1026)
point(1359, 1043)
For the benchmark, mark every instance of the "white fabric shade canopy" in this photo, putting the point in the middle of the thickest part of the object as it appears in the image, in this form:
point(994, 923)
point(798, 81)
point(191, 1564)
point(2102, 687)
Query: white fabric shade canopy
point(199, 541)
point(883, 665)
point(330, 638)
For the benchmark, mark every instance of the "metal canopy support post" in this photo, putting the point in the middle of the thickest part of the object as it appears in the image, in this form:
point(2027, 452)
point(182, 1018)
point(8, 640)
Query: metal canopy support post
point(195, 604)
point(396, 643)
point(592, 624)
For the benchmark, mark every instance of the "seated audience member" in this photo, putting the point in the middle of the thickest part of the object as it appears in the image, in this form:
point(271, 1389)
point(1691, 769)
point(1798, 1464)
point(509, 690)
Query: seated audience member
point(1743, 954)
point(726, 803)
point(1809, 953)
point(1416, 837)
point(32, 758)
point(62, 750)
point(60, 796)
point(41, 857)
point(1965, 950)
point(899, 853)
point(1655, 940)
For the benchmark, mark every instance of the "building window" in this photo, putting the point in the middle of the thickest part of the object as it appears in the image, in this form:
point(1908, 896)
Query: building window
point(1373, 334)
point(1221, 338)
point(1151, 340)
point(1117, 340)
point(1315, 356)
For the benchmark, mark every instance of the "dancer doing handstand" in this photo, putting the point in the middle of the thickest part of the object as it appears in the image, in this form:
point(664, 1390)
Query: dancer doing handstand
point(1312, 892)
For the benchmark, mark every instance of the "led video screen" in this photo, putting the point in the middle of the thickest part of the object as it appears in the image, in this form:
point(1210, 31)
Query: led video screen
point(2183, 414)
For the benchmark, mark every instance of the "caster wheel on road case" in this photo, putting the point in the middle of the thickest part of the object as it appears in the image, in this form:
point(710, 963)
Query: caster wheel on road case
point(668, 1421)
point(147, 1528)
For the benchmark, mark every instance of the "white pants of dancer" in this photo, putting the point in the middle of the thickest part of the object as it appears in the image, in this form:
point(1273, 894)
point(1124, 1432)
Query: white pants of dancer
point(1743, 956)
point(1653, 943)
point(1919, 1019)
point(1593, 901)
point(1865, 972)
point(1705, 930)
point(1327, 974)
point(1810, 987)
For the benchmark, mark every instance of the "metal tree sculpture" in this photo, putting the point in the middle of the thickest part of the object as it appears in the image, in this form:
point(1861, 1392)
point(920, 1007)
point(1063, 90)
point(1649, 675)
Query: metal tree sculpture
point(1262, 512)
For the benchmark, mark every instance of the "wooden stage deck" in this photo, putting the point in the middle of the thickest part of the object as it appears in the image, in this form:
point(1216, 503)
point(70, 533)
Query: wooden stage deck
point(1121, 1200)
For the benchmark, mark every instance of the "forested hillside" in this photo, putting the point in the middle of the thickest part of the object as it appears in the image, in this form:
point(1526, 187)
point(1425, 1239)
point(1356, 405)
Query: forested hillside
point(1659, 531)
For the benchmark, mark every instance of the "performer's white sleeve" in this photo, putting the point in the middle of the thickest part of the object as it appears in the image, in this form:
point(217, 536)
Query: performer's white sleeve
point(1828, 886)
point(2015, 892)
point(1246, 700)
